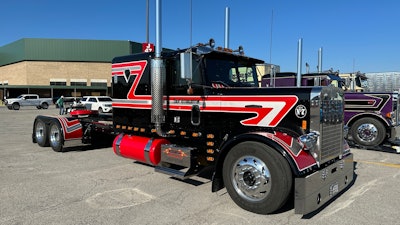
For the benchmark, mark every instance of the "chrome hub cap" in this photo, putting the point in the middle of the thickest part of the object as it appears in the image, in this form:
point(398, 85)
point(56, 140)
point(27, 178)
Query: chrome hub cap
point(39, 132)
point(367, 132)
point(54, 135)
point(251, 178)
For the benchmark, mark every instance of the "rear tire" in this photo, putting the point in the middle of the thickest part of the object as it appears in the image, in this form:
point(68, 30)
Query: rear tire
point(257, 177)
point(56, 137)
point(40, 130)
point(44, 105)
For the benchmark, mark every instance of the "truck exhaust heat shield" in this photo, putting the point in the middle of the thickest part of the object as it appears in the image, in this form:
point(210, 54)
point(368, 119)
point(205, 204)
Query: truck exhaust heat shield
point(143, 149)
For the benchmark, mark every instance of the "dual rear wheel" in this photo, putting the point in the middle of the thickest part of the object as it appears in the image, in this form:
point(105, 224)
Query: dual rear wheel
point(49, 136)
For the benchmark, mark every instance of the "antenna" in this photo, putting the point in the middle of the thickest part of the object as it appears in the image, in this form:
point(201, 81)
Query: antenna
point(147, 21)
point(270, 47)
point(191, 23)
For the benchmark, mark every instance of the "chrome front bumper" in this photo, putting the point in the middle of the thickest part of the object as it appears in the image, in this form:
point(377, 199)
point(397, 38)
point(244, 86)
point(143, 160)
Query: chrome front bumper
point(395, 135)
point(314, 190)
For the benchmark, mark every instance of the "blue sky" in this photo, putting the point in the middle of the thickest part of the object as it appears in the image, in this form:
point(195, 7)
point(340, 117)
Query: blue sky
point(355, 35)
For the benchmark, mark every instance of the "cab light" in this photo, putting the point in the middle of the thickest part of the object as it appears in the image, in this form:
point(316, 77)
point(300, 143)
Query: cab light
point(304, 124)
point(183, 133)
point(142, 129)
point(210, 136)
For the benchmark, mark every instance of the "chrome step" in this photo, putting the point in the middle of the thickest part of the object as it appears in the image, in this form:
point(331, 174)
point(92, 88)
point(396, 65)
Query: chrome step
point(179, 174)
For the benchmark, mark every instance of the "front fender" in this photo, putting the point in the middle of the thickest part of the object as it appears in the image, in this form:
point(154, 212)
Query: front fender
point(288, 146)
point(367, 114)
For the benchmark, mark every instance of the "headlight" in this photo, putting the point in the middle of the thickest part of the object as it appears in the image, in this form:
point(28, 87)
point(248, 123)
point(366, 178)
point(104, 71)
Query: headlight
point(309, 140)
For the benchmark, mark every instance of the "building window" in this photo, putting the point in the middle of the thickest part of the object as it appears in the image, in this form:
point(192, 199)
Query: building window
point(78, 83)
point(98, 84)
point(58, 83)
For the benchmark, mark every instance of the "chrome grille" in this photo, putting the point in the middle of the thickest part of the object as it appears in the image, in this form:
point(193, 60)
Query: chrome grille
point(331, 140)
point(331, 124)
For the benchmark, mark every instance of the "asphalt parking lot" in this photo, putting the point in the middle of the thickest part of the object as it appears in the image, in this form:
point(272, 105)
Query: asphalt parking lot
point(94, 186)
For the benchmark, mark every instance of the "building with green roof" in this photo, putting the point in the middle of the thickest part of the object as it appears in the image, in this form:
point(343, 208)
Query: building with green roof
point(55, 67)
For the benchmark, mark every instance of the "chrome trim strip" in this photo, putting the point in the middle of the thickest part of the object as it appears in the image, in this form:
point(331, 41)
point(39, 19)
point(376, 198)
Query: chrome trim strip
point(118, 143)
point(147, 151)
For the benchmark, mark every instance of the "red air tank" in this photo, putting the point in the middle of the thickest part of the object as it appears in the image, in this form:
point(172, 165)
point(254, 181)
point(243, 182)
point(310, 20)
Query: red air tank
point(143, 149)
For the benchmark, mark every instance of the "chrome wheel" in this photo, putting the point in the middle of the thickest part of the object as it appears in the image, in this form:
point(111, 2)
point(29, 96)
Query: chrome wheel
point(56, 138)
point(40, 132)
point(54, 135)
point(248, 171)
point(367, 132)
point(251, 178)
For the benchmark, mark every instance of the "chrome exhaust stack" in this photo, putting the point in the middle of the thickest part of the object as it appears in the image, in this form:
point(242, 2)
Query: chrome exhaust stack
point(158, 79)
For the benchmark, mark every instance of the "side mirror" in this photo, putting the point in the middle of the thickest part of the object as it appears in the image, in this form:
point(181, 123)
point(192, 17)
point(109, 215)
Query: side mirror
point(186, 65)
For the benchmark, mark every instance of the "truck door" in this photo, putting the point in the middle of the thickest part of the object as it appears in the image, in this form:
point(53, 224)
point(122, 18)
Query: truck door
point(186, 97)
point(30, 100)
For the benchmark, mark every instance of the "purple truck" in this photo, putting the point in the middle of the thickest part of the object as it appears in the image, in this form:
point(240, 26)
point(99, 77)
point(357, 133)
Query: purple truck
point(372, 117)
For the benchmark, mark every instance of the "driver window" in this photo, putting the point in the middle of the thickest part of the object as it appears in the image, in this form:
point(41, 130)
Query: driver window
point(234, 77)
point(179, 86)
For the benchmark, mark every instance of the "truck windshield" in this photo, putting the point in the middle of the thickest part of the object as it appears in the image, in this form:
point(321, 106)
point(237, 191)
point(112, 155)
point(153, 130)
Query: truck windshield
point(362, 83)
point(231, 73)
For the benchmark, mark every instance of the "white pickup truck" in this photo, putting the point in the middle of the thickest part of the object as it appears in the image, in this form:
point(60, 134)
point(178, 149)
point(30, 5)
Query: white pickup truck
point(28, 100)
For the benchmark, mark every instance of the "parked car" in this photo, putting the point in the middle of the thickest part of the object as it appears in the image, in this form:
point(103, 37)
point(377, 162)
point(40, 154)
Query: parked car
point(101, 103)
point(28, 100)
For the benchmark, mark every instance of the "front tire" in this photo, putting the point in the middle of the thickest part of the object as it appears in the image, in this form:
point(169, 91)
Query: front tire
point(368, 132)
point(56, 138)
point(15, 106)
point(41, 133)
point(257, 177)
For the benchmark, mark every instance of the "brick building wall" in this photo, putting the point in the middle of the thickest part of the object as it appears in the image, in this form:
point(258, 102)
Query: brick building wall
point(41, 73)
